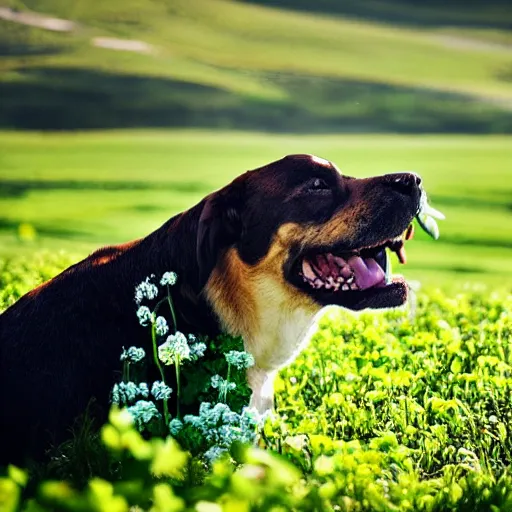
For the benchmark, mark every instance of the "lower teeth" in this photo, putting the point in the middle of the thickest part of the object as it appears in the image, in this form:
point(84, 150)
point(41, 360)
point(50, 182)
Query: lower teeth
point(345, 282)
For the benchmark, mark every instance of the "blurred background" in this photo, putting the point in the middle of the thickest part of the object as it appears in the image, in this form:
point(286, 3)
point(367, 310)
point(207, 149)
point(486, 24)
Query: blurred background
point(115, 115)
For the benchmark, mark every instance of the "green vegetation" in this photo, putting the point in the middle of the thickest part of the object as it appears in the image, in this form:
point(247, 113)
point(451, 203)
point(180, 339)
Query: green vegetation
point(237, 65)
point(407, 410)
point(81, 191)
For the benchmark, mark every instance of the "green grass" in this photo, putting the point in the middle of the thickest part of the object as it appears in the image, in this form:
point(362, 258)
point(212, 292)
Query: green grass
point(400, 411)
point(81, 191)
point(240, 65)
point(237, 35)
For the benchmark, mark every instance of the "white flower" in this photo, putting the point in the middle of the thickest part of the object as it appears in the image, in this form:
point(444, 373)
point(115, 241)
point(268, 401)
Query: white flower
point(220, 426)
point(231, 418)
point(174, 350)
point(217, 413)
point(145, 290)
point(214, 453)
point(143, 390)
point(126, 392)
point(222, 385)
point(175, 426)
point(197, 350)
point(133, 354)
point(144, 315)
point(216, 381)
point(143, 412)
point(161, 326)
point(239, 359)
point(161, 391)
point(116, 398)
point(169, 278)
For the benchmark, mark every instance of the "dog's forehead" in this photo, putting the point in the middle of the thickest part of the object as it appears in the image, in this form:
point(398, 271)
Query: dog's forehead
point(320, 161)
point(304, 164)
point(306, 159)
point(291, 171)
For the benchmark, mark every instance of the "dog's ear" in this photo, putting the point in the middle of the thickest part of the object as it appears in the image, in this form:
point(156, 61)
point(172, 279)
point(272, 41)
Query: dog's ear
point(220, 225)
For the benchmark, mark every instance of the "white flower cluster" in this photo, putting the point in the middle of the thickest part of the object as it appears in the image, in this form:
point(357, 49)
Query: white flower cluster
point(133, 355)
point(177, 349)
point(223, 385)
point(144, 315)
point(169, 278)
point(160, 390)
point(175, 426)
point(161, 326)
point(220, 427)
point(197, 350)
point(143, 412)
point(126, 392)
point(145, 290)
point(240, 360)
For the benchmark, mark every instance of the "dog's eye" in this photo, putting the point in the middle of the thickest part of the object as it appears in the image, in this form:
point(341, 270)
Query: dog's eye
point(318, 185)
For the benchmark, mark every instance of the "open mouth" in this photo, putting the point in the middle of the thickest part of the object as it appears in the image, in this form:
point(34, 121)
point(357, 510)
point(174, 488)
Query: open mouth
point(359, 269)
point(358, 278)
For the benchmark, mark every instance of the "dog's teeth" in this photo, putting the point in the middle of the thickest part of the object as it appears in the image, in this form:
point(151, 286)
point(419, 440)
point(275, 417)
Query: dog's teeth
point(350, 280)
point(339, 261)
point(307, 270)
point(345, 287)
point(354, 286)
point(337, 287)
point(346, 271)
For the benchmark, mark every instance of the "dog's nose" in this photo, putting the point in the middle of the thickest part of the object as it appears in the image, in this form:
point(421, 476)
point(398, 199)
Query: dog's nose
point(404, 182)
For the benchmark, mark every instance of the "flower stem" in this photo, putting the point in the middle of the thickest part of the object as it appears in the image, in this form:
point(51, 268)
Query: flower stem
point(171, 307)
point(178, 389)
point(227, 382)
point(159, 366)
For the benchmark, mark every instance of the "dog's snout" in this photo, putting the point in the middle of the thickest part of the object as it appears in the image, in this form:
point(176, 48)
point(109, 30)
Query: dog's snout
point(404, 182)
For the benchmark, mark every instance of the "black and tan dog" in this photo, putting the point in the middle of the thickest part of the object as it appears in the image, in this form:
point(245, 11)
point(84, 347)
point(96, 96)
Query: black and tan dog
point(258, 258)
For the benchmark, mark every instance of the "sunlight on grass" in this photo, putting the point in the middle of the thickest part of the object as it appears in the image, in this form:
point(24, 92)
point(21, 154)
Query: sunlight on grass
point(87, 190)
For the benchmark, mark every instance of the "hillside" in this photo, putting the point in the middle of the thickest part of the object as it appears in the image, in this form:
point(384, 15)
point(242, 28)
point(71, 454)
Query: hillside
point(220, 63)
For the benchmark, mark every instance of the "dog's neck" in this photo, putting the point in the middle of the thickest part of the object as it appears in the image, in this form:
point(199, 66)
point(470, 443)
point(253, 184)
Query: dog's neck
point(172, 247)
point(257, 305)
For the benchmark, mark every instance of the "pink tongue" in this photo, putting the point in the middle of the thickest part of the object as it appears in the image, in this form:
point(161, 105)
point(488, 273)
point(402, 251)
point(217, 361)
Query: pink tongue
point(367, 272)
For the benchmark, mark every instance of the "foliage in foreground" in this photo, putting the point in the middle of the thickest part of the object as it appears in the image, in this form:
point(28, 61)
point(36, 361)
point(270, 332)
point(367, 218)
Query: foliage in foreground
point(159, 477)
point(388, 412)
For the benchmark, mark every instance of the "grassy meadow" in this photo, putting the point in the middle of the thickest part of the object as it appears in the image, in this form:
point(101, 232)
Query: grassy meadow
point(400, 411)
point(251, 66)
point(80, 191)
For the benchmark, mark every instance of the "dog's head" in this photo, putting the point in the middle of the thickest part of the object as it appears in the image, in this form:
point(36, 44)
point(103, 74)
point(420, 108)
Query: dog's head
point(318, 235)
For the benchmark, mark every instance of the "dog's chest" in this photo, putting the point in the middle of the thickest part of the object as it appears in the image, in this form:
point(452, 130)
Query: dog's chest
point(282, 335)
point(293, 333)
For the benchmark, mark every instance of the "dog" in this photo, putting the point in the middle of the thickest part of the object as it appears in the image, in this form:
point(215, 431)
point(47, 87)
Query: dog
point(258, 258)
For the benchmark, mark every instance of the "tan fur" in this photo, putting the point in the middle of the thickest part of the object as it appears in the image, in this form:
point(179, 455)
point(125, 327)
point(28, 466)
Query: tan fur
point(274, 318)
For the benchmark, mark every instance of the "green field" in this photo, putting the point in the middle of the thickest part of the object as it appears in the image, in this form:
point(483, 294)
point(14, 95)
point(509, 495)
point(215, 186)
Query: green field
point(84, 190)
point(242, 65)
point(401, 411)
